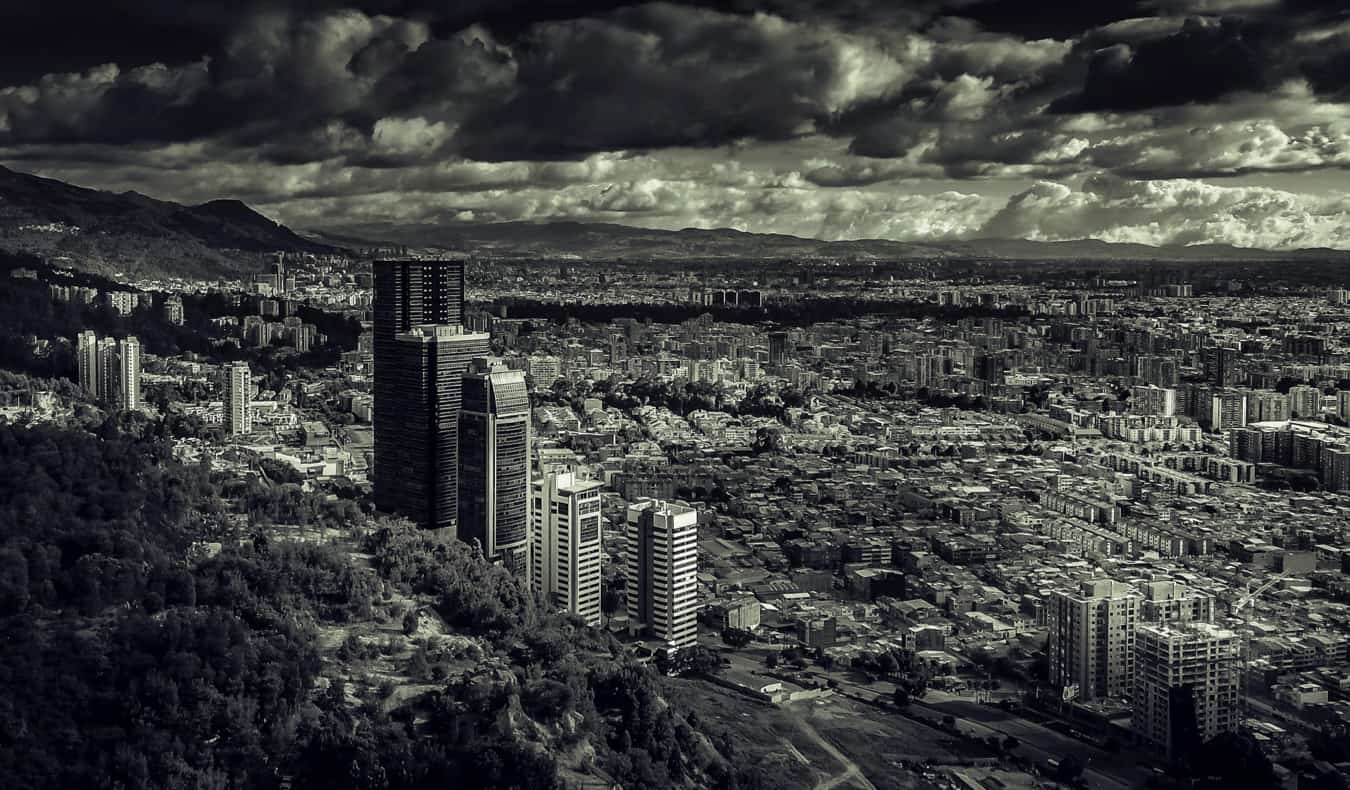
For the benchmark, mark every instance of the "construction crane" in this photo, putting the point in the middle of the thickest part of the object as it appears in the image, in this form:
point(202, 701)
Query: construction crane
point(1243, 605)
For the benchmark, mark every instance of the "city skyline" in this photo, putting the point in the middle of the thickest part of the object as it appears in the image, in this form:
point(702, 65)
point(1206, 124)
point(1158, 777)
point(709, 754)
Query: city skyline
point(1167, 122)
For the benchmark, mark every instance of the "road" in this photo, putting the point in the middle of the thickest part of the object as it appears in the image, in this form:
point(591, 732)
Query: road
point(851, 769)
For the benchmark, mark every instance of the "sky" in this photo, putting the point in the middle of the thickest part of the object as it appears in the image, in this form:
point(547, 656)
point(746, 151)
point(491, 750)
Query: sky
point(1152, 121)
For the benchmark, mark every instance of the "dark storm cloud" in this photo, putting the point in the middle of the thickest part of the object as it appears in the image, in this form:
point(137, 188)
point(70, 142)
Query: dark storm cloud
point(661, 76)
point(1203, 61)
point(804, 116)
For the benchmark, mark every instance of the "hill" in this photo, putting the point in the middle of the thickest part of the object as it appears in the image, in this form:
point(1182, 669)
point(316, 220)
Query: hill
point(607, 240)
point(137, 235)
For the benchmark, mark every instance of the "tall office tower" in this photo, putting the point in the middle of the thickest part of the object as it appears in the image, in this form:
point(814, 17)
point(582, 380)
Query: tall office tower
point(129, 378)
point(239, 399)
point(1305, 401)
point(108, 369)
point(86, 354)
point(1185, 685)
point(494, 463)
point(1092, 638)
point(565, 544)
point(778, 349)
point(408, 294)
point(418, 473)
point(1171, 601)
point(662, 562)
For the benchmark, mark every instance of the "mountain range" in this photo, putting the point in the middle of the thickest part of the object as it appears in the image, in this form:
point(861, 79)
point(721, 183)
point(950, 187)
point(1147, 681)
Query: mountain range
point(607, 240)
point(138, 236)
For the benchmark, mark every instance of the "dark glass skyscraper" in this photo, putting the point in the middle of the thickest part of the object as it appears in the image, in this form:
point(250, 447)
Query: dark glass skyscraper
point(408, 294)
point(494, 463)
point(419, 476)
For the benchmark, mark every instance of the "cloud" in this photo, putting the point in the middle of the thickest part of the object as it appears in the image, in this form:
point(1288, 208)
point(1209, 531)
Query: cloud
point(1203, 61)
point(1174, 212)
point(658, 76)
point(1224, 149)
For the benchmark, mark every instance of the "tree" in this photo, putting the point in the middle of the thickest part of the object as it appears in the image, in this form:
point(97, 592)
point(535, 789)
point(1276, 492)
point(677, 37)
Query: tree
point(900, 697)
point(410, 622)
point(737, 637)
point(701, 660)
point(1010, 744)
point(771, 661)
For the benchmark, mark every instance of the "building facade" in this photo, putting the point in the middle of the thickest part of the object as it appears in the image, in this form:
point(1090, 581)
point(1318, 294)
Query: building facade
point(239, 399)
point(661, 558)
point(1092, 639)
point(421, 397)
point(565, 554)
point(407, 294)
point(1186, 684)
point(129, 373)
point(494, 463)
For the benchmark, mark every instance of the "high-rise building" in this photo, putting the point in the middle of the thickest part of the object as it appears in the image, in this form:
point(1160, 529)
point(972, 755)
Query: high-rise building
point(494, 463)
point(1226, 409)
point(1170, 601)
point(1305, 401)
point(1265, 406)
point(618, 348)
point(419, 402)
point(107, 371)
point(408, 294)
point(239, 399)
point(129, 378)
point(1185, 684)
point(778, 348)
point(661, 557)
point(86, 355)
point(1153, 400)
point(1092, 639)
point(173, 309)
point(565, 551)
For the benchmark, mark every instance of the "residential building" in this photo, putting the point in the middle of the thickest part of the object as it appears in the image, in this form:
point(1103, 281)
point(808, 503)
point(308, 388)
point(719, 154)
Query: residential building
point(1171, 601)
point(86, 357)
point(239, 399)
point(662, 565)
point(565, 554)
point(129, 373)
point(1092, 639)
point(1186, 684)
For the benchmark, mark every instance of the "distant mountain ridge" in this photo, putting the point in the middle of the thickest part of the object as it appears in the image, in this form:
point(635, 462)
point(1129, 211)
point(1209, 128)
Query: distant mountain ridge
point(141, 236)
point(608, 240)
point(136, 234)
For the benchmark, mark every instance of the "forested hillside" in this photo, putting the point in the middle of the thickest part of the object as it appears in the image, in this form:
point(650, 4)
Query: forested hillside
point(164, 625)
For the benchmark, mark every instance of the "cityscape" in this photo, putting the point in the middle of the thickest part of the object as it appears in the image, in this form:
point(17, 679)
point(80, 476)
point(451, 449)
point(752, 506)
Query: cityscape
point(610, 396)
